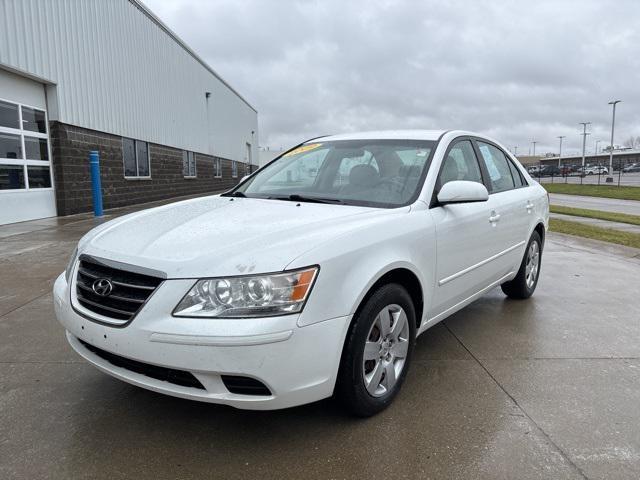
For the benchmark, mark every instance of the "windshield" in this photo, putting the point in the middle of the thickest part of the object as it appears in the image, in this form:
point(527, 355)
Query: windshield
point(381, 173)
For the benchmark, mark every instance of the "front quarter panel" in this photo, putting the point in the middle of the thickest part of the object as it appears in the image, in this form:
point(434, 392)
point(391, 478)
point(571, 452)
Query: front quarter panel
point(352, 263)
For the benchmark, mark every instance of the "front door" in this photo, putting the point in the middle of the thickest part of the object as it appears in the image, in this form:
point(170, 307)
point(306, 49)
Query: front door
point(465, 236)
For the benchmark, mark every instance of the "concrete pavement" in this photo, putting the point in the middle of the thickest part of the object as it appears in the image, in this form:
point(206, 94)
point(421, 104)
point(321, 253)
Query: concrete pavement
point(631, 207)
point(543, 388)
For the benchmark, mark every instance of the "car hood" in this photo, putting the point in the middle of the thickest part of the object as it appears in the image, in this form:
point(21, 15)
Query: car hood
point(215, 236)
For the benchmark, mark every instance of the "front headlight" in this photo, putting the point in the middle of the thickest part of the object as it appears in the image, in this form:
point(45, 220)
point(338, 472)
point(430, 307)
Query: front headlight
point(248, 296)
point(72, 261)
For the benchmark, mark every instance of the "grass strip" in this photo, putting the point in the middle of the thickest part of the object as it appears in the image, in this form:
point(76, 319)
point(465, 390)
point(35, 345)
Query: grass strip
point(627, 239)
point(606, 191)
point(599, 214)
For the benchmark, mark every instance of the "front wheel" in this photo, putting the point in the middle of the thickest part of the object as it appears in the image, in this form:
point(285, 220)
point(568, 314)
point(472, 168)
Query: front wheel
point(525, 282)
point(377, 351)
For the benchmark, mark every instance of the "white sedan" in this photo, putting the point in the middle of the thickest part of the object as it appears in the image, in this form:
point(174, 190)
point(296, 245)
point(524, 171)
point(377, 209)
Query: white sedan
point(311, 278)
point(596, 170)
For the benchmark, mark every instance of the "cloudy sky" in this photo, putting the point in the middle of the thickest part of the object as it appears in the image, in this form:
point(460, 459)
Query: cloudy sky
point(516, 70)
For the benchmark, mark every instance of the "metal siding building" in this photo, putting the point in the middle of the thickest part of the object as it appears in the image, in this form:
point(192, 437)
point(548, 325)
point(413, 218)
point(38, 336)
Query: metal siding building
point(110, 66)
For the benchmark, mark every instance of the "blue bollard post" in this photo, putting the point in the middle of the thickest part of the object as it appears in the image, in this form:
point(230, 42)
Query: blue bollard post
point(96, 188)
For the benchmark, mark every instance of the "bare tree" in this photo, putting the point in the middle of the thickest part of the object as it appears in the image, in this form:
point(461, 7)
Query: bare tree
point(632, 142)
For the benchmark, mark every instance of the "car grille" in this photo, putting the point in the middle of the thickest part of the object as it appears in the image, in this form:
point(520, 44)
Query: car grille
point(171, 375)
point(129, 290)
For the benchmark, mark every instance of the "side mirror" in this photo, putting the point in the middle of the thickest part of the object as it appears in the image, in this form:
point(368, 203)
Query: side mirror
point(462, 191)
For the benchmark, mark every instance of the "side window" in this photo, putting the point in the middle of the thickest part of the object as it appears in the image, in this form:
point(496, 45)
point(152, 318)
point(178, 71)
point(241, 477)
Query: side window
point(517, 176)
point(498, 168)
point(460, 164)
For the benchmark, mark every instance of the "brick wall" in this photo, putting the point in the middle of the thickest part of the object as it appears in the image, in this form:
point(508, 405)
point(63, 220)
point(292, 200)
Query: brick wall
point(71, 146)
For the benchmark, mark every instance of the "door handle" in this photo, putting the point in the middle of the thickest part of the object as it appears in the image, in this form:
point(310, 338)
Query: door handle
point(495, 217)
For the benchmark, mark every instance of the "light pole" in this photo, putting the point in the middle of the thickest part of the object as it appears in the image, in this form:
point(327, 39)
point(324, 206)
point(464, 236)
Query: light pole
point(560, 154)
point(613, 124)
point(584, 139)
point(534, 147)
point(515, 150)
point(597, 142)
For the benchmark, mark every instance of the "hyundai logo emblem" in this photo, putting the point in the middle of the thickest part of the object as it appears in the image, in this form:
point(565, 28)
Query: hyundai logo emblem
point(102, 287)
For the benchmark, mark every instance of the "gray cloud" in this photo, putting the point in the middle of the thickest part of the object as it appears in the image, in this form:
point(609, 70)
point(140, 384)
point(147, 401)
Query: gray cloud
point(512, 69)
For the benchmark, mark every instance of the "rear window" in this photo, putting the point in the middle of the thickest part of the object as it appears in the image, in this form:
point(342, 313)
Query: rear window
point(498, 168)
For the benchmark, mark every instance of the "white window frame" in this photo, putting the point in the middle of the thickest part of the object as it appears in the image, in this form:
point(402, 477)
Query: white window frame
point(135, 150)
point(218, 168)
point(21, 132)
point(234, 169)
point(195, 163)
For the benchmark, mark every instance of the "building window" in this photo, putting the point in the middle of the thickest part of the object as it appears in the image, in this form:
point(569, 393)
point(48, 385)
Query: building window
point(39, 177)
point(217, 168)
point(234, 169)
point(188, 164)
point(10, 146)
point(36, 148)
point(135, 156)
point(9, 116)
point(24, 147)
point(33, 120)
point(11, 177)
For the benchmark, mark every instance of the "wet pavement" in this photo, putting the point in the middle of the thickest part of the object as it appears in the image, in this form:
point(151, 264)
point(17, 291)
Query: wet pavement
point(543, 388)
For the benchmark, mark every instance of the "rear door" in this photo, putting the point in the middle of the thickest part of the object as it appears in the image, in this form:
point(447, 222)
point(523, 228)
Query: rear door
point(465, 238)
point(510, 206)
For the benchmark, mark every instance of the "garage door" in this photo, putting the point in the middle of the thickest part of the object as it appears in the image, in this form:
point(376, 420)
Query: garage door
point(26, 184)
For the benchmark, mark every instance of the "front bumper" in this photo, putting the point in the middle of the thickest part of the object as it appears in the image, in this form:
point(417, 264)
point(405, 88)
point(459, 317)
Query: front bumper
point(298, 364)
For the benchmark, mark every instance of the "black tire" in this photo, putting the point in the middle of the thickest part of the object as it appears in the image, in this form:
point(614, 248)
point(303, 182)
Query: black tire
point(518, 287)
point(350, 385)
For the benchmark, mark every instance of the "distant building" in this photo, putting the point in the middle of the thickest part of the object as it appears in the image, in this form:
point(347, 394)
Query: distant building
point(622, 157)
point(266, 155)
point(77, 76)
point(528, 159)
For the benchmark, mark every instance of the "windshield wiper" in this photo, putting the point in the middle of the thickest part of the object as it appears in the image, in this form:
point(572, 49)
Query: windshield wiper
point(234, 194)
point(301, 198)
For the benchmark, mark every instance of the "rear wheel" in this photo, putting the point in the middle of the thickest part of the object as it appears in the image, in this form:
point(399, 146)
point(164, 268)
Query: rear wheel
point(377, 351)
point(525, 282)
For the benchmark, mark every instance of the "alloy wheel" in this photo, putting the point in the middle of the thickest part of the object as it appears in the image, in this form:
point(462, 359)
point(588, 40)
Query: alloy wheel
point(385, 350)
point(533, 264)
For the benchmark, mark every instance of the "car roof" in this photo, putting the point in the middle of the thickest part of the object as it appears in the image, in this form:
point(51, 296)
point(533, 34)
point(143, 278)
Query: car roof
point(388, 135)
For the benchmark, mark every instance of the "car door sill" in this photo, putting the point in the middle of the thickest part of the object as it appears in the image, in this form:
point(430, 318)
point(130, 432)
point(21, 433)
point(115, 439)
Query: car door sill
point(441, 316)
point(450, 278)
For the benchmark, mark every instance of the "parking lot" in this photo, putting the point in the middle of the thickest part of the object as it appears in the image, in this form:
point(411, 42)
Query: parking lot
point(626, 179)
point(544, 388)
